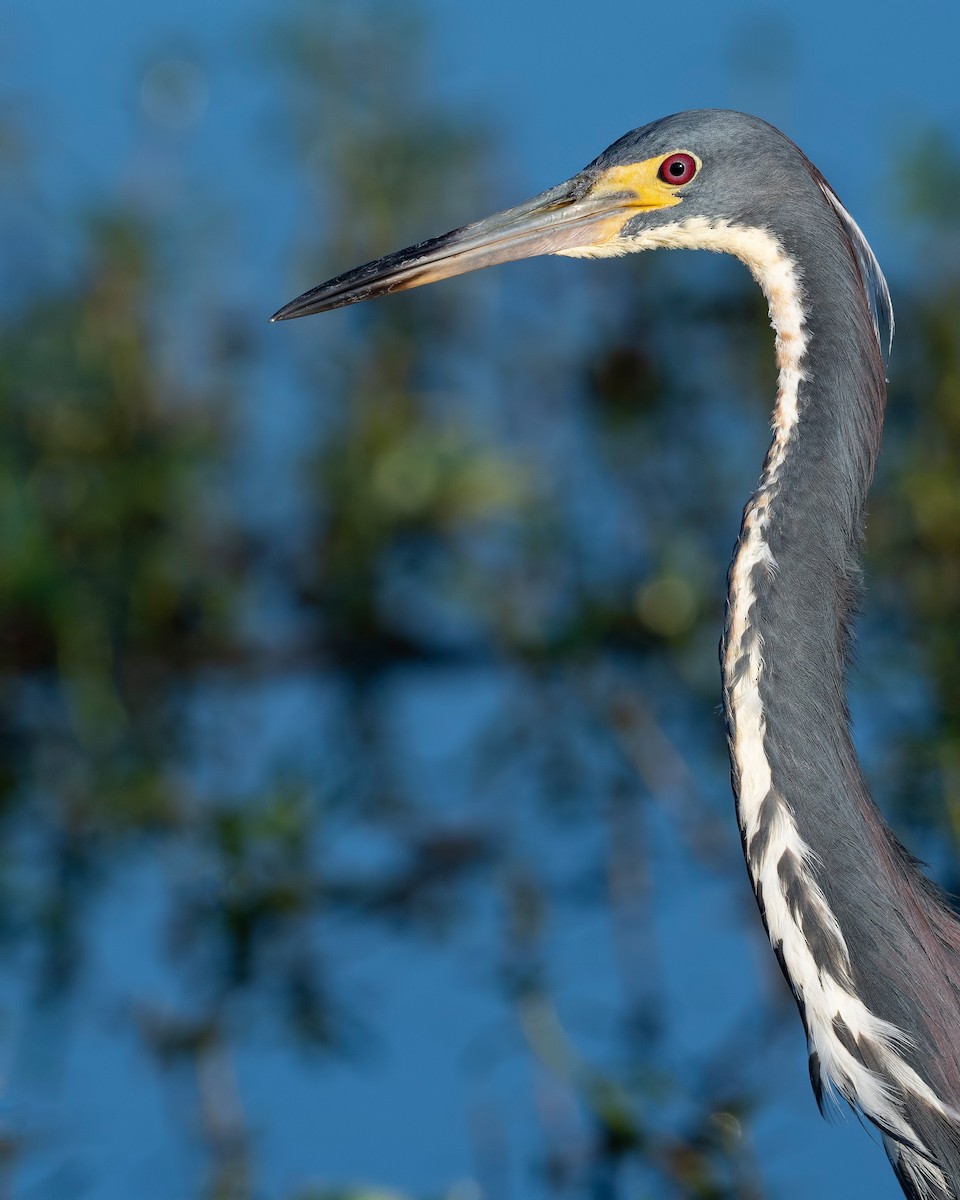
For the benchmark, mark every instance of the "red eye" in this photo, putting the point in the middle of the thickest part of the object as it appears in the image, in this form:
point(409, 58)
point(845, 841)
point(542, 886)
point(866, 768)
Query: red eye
point(678, 168)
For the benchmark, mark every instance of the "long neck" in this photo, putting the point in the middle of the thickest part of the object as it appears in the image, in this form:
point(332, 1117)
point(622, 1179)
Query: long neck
point(861, 937)
point(795, 575)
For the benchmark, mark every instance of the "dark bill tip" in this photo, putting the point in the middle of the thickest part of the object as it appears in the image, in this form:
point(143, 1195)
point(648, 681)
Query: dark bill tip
point(392, 273)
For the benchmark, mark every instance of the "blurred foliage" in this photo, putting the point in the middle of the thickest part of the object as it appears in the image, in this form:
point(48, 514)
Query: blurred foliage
point(547, 510)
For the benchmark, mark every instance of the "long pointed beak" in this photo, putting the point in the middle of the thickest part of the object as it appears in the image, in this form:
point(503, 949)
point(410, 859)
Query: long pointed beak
point(574, 215)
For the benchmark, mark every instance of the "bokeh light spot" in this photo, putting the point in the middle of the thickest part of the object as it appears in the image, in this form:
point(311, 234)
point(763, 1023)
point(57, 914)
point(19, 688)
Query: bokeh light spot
point(667, 605)
point(174, 93)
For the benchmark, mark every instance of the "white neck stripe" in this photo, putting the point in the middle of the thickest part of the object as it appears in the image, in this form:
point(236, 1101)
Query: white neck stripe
point(823, 997)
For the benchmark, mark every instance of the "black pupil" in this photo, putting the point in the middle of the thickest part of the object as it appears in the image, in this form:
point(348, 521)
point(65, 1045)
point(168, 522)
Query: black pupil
point(678, 168)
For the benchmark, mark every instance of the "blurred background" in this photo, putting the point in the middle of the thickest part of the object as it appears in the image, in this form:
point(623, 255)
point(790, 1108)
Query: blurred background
point(365, 824)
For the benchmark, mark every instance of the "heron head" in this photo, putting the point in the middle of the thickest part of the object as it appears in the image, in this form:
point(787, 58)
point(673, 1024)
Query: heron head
point(678, 182)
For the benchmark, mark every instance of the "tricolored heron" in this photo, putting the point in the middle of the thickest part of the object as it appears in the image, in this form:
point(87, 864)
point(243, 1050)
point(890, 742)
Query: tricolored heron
point(869, 947)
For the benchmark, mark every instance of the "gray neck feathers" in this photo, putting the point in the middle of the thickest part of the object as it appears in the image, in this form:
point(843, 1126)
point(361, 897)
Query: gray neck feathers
point(869, 949)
